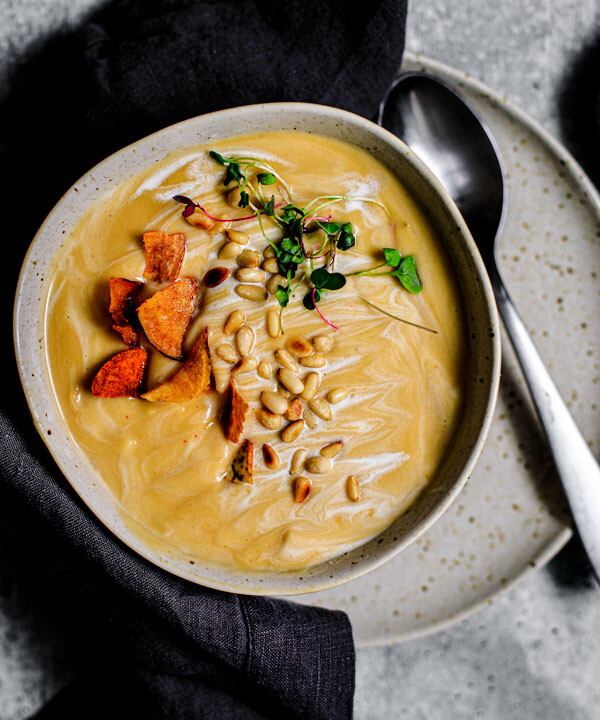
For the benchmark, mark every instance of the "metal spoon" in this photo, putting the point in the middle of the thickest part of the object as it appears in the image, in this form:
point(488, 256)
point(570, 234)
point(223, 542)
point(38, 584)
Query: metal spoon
point(448, 135)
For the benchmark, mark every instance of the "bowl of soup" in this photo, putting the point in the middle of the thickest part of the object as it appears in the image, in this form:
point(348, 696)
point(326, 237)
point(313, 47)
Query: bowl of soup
point(261, 345)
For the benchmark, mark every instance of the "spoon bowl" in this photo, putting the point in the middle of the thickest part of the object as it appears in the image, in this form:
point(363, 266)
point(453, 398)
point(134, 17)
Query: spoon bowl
point(456, 145)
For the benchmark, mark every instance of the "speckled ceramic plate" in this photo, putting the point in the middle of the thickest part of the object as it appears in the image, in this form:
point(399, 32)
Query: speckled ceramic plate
point(512, 516)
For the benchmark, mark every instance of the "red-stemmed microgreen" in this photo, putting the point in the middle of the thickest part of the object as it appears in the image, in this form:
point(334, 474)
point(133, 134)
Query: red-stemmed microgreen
point(314, 300)
point(190, 207)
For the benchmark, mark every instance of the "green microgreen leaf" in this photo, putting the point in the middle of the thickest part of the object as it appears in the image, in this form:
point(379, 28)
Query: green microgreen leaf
point(219, 158)
point(322, 279)
point(244, 199)
point(407, 274)
point(392, 257)
point(289, 213)
point(270, 206)
point(335, 281)
point(283, 295)
point(266, 178)
point(331, 228)
point(346, 239)
point(308, 299)
point(233, 172)
point(319, 277)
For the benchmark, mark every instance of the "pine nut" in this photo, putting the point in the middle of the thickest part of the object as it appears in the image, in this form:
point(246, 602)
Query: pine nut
point(311, 385)
point(352, 489)
point(264, 369)
point(250, 275)
point(234, 322)
point(316, 360)
point(270, 457)
point(200, 219)
point(273, 323)
point(302, 487)
point(292, 431)
point(245, 338)
point(294, 411)
point(251, 292)
point(229, 251)
point(320, 408)
point(318, 465)
point(269, 252)
point(283, 391)
point(221, 226)
point(271, 265)
point(299, 346)
point(298, 459)
point(233, 197)
point(310, 419)
point(246, 364)
point(248, 258)
point(337, 395)
point(290, 381)
point(227, 353)
point(274, 402)
point(331, 450)
point(241, 238)
point(286, 360)
point(268, 419)
point(322, 343)
point(274, 282)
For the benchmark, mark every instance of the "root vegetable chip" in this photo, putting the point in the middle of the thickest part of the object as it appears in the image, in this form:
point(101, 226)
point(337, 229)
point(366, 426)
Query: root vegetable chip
point(122, 375)
point(241, 467)
point(164, 255)
point(192, 378)
point(165, 316)
point(122, 292)
point(237, 415)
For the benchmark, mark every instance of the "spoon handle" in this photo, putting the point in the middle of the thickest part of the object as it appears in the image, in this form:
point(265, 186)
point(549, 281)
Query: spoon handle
point(576, 465)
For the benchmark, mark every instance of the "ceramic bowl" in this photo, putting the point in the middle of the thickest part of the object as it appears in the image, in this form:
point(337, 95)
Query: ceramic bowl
point(482, 374)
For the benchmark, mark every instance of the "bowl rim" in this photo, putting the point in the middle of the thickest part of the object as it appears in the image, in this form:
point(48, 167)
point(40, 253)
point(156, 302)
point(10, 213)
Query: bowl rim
point(368, 564)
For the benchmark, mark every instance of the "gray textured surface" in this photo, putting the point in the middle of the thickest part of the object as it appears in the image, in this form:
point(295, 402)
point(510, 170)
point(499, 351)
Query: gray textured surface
point(535, 652)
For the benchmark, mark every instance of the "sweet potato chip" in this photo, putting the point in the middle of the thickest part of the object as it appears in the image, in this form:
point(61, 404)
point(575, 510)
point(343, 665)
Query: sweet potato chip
point(192, 378)
point(241, 467)
point(122, 375)
point(164, 255)
point(122, 292)
point(165, 316)
point(237, 414)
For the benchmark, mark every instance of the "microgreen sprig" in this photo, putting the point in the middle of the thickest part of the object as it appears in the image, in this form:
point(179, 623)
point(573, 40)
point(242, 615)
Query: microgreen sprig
point(404, 269)
point(296, 223)
point(236, 168)
point(190, 207)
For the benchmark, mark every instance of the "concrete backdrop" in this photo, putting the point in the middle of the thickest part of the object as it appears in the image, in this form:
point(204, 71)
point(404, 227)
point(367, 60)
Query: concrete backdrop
point(534, 653)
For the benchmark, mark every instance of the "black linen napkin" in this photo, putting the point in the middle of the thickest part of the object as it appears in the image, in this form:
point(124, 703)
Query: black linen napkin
point(158, 646)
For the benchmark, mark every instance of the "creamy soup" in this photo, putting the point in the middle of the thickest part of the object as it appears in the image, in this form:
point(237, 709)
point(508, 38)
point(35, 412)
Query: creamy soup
point(167, 463)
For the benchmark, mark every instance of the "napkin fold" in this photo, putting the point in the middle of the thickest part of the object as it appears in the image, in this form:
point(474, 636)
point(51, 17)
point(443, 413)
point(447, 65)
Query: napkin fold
point(158, 646)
